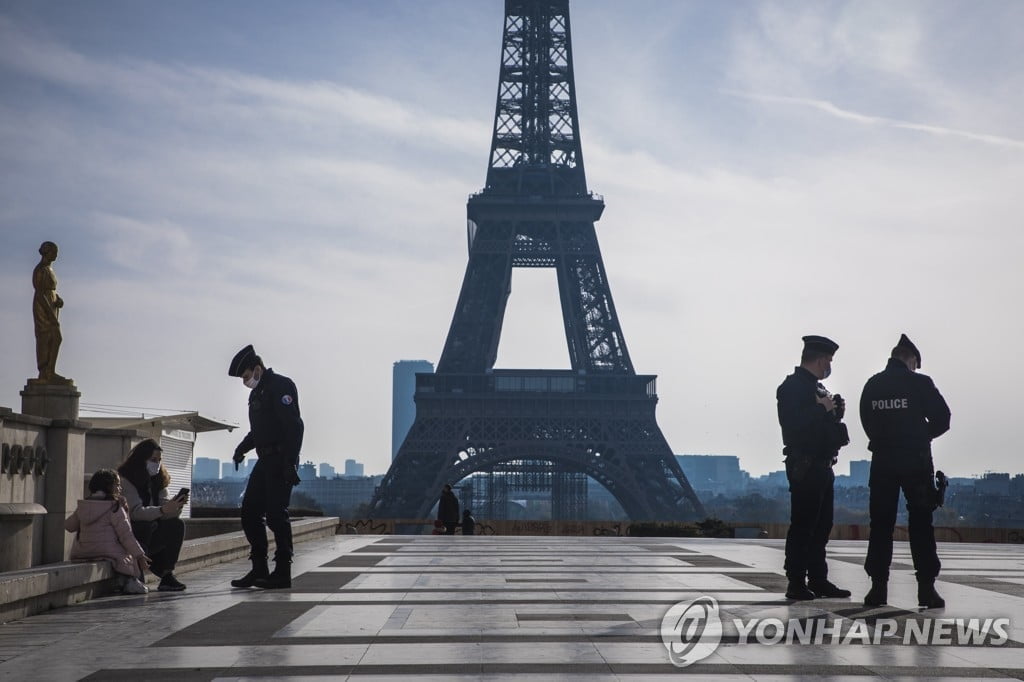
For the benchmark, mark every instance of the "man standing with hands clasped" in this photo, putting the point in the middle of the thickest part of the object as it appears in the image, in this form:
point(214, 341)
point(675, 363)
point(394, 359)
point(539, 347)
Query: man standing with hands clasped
point(812, 433)
point(275, 432)
point(902, 411)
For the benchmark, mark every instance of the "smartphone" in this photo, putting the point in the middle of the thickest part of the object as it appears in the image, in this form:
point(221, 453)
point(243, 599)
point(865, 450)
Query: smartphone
point(181, 494)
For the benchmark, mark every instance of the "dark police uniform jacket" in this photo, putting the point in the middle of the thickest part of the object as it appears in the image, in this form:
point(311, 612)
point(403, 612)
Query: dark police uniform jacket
point(275, 426)
point(902, 411)
point(808, 430)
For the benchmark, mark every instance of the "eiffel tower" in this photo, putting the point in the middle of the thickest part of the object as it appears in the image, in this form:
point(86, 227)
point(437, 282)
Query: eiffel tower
point(536, 212)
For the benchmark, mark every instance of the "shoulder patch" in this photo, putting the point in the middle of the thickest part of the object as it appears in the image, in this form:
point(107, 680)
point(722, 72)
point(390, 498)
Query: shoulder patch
point(286, 399)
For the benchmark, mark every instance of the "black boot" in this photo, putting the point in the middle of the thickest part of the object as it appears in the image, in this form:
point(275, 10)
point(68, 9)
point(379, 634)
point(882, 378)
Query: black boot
point(259, 570)
point(797, 590)
point(823, 588)
point(878, 595)
point(927, 596)
point(280, 579)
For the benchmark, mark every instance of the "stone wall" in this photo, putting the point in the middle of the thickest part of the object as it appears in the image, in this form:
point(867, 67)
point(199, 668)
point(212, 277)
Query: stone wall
point(25, 461)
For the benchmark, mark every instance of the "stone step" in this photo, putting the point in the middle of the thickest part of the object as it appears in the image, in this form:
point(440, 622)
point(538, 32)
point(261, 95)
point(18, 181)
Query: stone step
point(41, 588)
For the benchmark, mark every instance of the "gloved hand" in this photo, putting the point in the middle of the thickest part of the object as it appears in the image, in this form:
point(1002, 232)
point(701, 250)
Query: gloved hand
point(238, 457)
point(840, 406)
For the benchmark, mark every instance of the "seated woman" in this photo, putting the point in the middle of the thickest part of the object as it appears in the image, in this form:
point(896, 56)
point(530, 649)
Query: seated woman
point(155, 519)
point(103, 532)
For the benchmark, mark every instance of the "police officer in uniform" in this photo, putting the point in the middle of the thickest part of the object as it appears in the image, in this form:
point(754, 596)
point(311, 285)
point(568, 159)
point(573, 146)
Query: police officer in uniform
point(275, 432)
point(812, 433)
point(902, 412)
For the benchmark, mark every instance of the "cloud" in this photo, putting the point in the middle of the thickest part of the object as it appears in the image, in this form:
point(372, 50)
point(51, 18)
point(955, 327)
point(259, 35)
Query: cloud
point(847, 115)
point(141, 245)
point(231, 97)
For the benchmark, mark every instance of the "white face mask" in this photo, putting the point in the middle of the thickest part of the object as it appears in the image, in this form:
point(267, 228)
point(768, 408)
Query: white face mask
point(253, 381)
point(152, 468)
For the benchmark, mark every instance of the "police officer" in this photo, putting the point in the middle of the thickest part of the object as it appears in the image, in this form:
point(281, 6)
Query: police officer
point(902, 412)
point(275, 432)
point(812, 433)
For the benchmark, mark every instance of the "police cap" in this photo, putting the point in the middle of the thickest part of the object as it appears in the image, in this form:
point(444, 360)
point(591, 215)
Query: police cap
point(906, 344)
point(243, 360)
point(821, 344)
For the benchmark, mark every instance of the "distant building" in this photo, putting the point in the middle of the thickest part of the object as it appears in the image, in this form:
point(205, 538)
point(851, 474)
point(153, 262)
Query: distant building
point(206, 469)
point(307, 471)
point(327, 471)
point(353, 468)
point(714, 474)
point(771, 484)
point(403, 404)
point(342, 496)
point(993, 484)
point(860, 472)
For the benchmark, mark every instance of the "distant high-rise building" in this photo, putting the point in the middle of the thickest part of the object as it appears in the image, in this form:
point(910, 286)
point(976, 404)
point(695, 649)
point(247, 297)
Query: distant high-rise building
point(860, 472)
point(716, 474)
point(403, 405)
point(327, 471)
point(307, 471)
point(353, 468)
point(206, 469)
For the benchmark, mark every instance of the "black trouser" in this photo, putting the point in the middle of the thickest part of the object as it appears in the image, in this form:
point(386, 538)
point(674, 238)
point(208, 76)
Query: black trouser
point(810, 518)
point(264, 504)
point(450, 526)
point(162, 540)
point(914, 475)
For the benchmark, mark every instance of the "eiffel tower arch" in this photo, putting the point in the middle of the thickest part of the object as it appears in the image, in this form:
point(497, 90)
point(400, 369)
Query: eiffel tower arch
point(535, 211)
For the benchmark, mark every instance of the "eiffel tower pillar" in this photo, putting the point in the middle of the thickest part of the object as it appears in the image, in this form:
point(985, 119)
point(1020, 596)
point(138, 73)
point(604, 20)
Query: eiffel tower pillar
point(596, 418)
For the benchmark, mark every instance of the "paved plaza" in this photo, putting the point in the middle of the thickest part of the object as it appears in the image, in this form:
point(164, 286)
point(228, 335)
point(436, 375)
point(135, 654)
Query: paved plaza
point(466, 608)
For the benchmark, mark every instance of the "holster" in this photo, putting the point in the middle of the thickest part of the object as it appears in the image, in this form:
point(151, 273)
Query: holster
point(288, 471)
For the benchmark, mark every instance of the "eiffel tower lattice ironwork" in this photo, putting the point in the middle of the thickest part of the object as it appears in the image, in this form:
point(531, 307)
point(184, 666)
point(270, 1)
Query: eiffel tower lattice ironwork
point(597, 418)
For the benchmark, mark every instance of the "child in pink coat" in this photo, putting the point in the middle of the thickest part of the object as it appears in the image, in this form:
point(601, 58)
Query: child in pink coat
point(104, 532)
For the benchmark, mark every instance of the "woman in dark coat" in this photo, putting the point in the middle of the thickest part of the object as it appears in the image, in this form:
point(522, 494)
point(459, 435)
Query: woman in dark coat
point(448, 510)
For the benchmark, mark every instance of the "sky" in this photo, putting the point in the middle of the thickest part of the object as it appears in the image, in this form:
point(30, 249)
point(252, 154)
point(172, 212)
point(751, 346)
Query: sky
point(295, 176)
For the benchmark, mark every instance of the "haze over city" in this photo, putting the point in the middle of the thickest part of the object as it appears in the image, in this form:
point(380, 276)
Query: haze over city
point(218, 174)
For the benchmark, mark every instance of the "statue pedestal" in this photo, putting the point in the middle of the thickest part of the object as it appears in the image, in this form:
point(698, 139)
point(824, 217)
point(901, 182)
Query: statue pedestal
point(65, 443)
point(53, 401)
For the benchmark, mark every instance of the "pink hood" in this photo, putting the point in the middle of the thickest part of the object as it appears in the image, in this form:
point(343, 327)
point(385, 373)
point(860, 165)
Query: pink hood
point(90, 511)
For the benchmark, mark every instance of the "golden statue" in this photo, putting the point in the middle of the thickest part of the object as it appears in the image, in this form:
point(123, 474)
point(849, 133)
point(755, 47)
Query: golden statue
point(46, 305)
